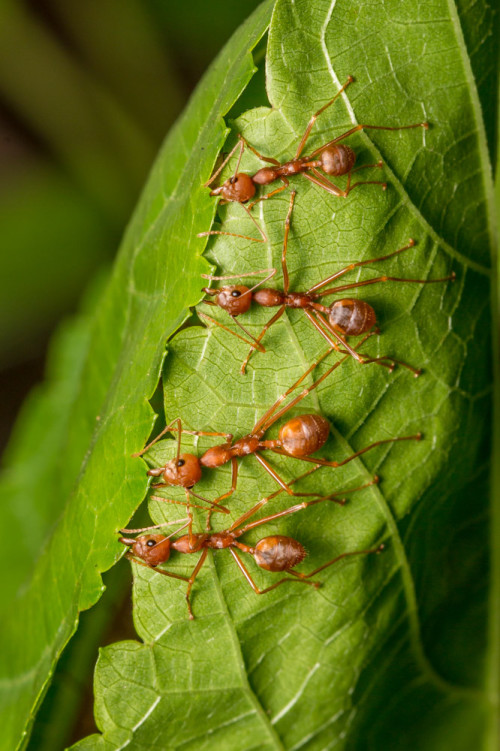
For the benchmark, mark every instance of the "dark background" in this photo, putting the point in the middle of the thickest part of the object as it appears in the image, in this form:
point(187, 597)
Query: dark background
point(88, 91)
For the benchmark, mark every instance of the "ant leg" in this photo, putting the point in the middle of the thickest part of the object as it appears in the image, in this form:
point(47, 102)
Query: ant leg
point(233, 234)
point(325, 463)
point(298, 507)
point(330, 187)
point(322, 182)
point(335, 560)
point(261, 503)
point(168, 429)
point(255, 588)
point(268, 418)
point(158, 526)
point(284, 267)
point(356, 264)
point(189, 491)
point(170, 574)
point(330, 332)
point(259, 338)
point(274, 474)
point(239, 146)
point(254, 151)
point(191, 579)
point(272, 193)
point(254, 344)
point(384, 361)
point(270, 273)
point(380, 279)
point(234, 482)
point(313, 119)
point(227, 436)
point(366, 127)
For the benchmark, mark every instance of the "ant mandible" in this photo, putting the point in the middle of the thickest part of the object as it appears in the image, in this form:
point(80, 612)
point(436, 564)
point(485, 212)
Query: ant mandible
point(276, 553)
point(298, 438)
point(333, 158)
point(345, 317)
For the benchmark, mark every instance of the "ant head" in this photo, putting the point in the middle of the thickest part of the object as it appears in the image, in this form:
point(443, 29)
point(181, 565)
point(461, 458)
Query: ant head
point(278, 553)
point(184, 471)
point(238, 188)
point(352, 316)
point(153, 549)
point(303, 435)
point(337, 160)
point(235, 299)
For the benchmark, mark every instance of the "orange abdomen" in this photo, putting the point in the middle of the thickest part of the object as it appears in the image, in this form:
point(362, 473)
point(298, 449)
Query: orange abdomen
point(304, 435)
point(351, 317)
point(278, 553)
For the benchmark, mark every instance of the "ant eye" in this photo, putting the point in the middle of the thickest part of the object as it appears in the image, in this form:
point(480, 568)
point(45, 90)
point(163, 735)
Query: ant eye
point(233, 180)
point(181, 463)
point(235, 293)
point(151, 543)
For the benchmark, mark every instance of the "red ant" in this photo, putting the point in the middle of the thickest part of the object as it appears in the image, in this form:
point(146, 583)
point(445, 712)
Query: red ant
point(298, 438)
point(346, 317)
point(333, 158)
point(275, 553)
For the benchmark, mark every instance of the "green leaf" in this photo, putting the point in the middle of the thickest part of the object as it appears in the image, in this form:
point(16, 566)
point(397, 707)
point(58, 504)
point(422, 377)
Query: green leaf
point(144, 304)
point(392, 652)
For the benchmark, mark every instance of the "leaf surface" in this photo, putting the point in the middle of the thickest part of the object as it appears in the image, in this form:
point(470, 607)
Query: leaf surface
point(392, 651)
point(111, 418)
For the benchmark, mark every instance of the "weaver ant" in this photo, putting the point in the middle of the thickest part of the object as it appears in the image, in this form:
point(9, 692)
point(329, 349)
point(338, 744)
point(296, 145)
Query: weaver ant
point(333, 158)
point(298, 438)
point(345, 317)
point(276, 553)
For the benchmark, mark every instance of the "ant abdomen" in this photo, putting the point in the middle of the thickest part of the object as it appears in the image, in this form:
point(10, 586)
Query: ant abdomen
point(351, 317)
point(278, 553)
point(337, 160)
point(185, 471)
point(148, 548)
point(303, 435)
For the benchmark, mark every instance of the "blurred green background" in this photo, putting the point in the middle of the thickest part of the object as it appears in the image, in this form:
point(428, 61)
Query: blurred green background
point(88, 90)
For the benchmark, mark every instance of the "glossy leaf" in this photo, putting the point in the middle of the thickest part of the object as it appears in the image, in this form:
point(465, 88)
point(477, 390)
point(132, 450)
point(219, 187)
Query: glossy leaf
point(392, 651)
point(111, 418)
